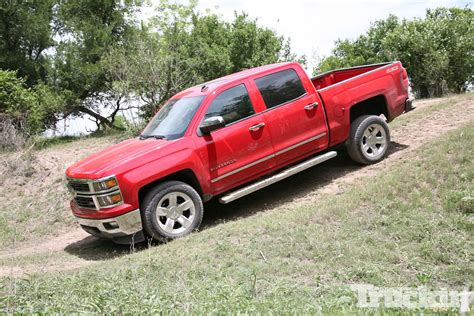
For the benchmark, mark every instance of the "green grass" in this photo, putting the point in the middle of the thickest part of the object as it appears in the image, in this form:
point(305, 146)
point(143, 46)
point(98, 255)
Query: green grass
point(410, 226)
point(41, 142)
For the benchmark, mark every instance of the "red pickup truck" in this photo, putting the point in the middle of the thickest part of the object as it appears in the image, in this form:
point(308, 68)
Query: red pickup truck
point(230, 137)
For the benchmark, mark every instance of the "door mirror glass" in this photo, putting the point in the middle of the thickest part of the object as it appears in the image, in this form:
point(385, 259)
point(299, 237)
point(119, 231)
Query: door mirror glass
point(211, 123)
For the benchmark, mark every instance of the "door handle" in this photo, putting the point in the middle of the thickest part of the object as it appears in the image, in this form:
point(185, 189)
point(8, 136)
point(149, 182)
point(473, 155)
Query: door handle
point(311, 106)
point(256, 127)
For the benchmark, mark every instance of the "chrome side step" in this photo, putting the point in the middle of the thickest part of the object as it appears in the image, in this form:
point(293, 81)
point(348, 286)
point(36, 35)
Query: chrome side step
point(279, 176)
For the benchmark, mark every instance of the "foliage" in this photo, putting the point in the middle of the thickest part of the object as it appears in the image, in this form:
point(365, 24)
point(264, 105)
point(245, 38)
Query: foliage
point(25, 34)
point(438, 51)
point(88, 30)
point(31, 110)
point(92, 57)
point(181, 47)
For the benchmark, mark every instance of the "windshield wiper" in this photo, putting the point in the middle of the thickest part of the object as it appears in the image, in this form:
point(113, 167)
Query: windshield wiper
point(152, 136)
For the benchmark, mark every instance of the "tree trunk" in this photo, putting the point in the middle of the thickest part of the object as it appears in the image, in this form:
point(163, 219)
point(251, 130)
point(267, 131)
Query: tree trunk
point(103, 120)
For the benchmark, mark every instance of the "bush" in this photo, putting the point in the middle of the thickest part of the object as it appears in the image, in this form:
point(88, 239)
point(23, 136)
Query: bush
point(29, 110)
point(14, 96)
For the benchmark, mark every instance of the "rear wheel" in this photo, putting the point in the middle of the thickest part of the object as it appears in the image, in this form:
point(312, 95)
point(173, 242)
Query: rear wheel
point(369, 139)
point(172, 209)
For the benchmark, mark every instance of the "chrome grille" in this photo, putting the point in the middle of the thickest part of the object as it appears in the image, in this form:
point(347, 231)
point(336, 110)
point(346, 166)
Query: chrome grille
point(85, 201)
point(86, 194)
point(79, 186)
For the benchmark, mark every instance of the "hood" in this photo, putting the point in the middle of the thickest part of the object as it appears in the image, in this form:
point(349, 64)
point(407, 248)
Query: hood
point(127, 154)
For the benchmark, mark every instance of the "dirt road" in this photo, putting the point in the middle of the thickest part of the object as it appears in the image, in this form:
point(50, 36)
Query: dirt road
point(74, 249)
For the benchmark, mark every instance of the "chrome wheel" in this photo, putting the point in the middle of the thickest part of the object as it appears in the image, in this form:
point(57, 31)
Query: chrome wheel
point(374, 141)
point(175, 213)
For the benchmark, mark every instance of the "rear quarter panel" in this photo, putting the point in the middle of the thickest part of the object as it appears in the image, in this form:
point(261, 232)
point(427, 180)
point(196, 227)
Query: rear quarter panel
point(339, 98)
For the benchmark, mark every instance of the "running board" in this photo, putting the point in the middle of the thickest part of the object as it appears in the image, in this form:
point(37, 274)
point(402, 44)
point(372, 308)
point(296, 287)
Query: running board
point(275, 178)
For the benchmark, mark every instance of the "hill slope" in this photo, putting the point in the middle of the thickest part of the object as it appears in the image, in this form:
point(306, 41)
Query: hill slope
point(297, 245)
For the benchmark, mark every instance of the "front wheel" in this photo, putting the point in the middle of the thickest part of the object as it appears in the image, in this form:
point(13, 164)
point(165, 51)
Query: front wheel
point(170, 210)
point(369, 139)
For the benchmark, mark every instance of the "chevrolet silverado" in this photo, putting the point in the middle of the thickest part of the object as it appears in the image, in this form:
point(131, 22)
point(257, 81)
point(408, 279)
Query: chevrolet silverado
point(230, 137)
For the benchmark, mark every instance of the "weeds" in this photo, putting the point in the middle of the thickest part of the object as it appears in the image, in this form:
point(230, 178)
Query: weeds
point(10, 137)
point(21, 165)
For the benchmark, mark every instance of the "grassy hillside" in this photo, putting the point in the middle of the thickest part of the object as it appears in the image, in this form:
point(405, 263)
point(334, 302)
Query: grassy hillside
point(411, 225)
point(34, 202)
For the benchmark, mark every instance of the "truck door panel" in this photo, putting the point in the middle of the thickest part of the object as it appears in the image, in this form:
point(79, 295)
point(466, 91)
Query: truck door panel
point(240, 150)
point(295, 116)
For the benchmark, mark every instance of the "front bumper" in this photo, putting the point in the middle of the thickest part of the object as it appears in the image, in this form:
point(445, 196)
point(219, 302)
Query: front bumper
point(123, 229)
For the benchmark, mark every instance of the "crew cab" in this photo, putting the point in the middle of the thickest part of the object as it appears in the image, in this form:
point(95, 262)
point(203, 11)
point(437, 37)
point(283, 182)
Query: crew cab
point(229, 137)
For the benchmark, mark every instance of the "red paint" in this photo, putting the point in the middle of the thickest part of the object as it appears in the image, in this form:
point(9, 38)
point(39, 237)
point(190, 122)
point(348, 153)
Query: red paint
point(137, 163)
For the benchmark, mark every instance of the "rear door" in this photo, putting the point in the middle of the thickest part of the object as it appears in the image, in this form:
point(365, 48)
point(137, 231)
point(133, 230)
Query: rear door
point(242, 149)
point(294, 114)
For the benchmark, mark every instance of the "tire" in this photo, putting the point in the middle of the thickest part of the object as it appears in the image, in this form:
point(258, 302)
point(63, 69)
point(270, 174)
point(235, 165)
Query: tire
point(369, 139)
point(171, 210)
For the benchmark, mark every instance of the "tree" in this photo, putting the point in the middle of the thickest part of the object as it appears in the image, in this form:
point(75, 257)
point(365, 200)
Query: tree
point(181, 48)
point(31, 110)
point(25, 34)
point(437, 50)
point(77, 57)
point(88, 30)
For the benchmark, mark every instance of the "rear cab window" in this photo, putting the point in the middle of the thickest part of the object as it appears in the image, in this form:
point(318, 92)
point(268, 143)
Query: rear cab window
point(280, 87)
point(233, 105)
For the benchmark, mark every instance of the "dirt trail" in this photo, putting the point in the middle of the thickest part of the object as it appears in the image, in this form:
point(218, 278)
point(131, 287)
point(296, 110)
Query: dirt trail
point(49, 246)
point(413, 134)
point(407, 136)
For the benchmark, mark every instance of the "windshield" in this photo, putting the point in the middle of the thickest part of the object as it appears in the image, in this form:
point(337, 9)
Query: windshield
point(173, 119)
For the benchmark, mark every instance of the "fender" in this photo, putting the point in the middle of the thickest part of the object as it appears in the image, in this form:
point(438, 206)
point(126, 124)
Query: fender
point(180, 160)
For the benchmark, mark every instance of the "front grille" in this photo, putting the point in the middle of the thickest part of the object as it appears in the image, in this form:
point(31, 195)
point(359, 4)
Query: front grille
point(79, 186)
point(86, 195)
point(85, 201)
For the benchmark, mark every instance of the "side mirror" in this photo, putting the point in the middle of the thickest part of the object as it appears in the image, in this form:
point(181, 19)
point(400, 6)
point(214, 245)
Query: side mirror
point(211, 123)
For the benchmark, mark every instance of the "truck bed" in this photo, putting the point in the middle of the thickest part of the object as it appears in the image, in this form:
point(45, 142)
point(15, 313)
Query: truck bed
point(340, 90)
point(332, 77)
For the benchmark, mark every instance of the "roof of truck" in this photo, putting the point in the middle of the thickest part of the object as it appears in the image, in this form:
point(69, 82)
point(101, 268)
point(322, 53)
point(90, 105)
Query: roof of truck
point(210, 86)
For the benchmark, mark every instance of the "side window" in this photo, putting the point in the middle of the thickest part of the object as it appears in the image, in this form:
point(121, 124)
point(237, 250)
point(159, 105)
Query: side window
point(280, 87)
point(232, 104)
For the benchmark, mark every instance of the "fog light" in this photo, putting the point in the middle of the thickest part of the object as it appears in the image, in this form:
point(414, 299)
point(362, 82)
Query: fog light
point(111, 225)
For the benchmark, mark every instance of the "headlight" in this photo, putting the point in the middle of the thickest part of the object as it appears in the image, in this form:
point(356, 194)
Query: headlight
point(105, 184)
point(111, 199)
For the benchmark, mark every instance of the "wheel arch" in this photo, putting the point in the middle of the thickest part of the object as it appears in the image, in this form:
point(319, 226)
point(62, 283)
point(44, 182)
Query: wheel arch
point(186, 176)
point(376, 105)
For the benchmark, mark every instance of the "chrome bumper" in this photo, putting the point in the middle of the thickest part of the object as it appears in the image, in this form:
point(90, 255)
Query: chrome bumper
point(124, 229)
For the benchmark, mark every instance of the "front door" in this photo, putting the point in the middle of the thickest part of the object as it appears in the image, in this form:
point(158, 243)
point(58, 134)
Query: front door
point(240, 151)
